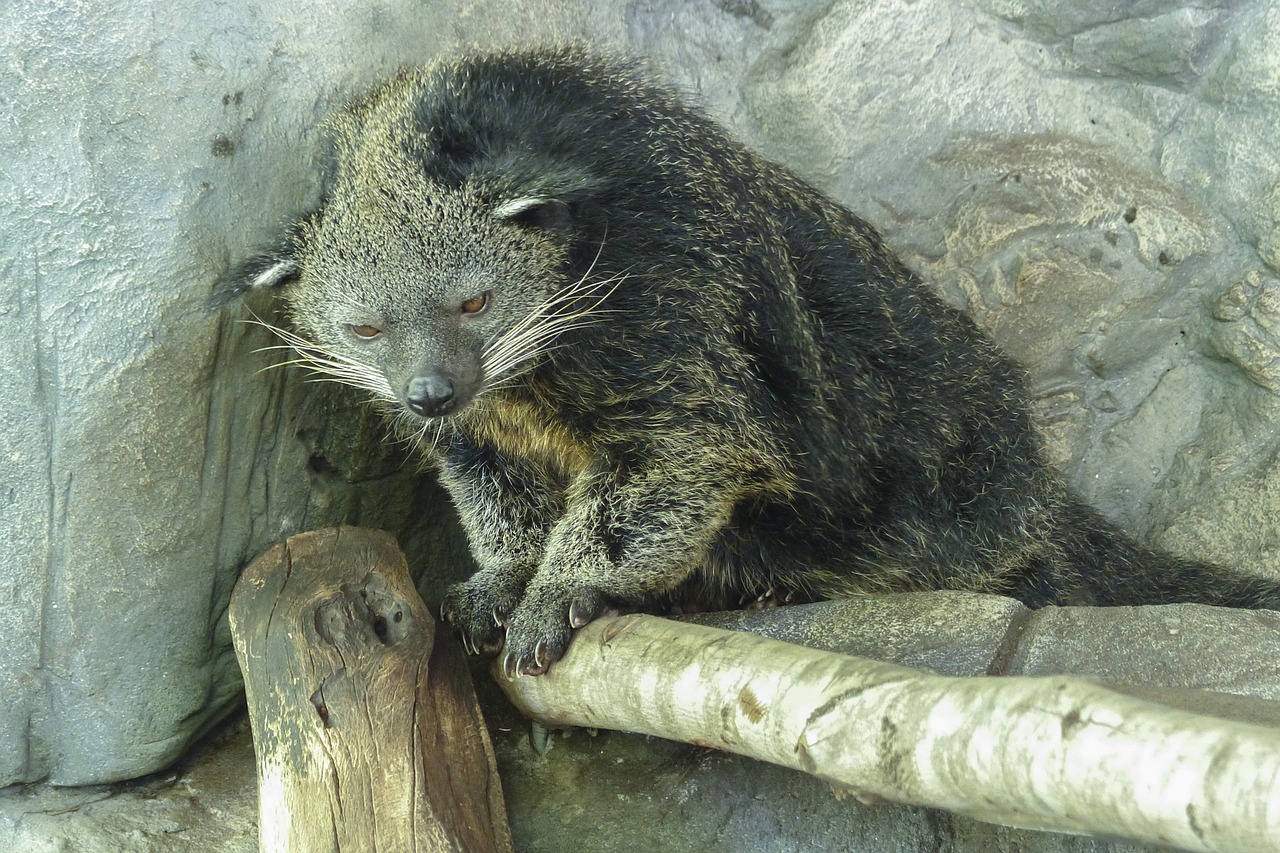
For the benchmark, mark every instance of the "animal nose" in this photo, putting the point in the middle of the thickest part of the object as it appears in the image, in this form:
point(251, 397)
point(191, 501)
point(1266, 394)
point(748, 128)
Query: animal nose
point(430, 395)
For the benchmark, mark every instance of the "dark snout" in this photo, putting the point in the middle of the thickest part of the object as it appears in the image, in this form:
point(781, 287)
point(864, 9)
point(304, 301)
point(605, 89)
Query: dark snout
point(432, 395)
point(440, 383)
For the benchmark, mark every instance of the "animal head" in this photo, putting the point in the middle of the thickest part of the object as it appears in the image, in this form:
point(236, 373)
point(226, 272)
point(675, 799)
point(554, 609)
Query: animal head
point(455, 240)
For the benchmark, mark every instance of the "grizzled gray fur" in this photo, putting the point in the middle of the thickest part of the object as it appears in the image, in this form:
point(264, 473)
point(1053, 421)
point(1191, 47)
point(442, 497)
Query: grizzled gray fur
point(655, 370)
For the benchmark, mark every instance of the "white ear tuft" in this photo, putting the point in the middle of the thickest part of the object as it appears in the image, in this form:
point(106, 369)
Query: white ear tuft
point(512, 208)
point(274, 274)
point(264, 271)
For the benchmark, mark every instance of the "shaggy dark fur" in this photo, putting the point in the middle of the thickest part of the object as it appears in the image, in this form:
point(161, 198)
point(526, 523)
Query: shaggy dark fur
point(730, 387)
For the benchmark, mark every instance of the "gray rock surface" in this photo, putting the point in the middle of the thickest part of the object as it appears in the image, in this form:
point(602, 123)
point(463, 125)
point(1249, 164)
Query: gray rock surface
point(1099, 186)
point(1207, 648)
point(952, 633)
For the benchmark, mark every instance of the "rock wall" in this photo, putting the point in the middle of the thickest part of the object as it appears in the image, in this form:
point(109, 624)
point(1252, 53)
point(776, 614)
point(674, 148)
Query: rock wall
point(1100, 188)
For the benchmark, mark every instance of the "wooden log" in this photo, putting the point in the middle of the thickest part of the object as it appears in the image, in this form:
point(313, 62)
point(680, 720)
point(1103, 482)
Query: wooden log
point(1060, 753)
point(366, 730)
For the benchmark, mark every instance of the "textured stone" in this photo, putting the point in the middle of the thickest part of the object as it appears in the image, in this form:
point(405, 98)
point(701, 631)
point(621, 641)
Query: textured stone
point(1249, 331)
point(952, 633)
point(1097, 185)
point(1182, 645)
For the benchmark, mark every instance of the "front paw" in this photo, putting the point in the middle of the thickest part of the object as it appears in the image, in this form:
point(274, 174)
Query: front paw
point(480, 607)
point(539, 631)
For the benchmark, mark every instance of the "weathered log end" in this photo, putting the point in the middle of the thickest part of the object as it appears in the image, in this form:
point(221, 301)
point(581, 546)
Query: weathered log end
point(365, 724)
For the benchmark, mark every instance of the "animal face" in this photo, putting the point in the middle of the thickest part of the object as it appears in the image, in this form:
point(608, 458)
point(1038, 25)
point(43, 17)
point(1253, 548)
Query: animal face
point(459, 233)
point(431, 285)
point(425, 292)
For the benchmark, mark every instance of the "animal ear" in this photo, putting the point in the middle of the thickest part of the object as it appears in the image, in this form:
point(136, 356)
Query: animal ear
point(536, 212)
point(261, 272)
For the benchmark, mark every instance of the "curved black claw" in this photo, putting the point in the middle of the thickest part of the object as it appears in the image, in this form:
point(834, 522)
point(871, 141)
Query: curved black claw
point(479, 609)
point(539, 632)
point(539, 737)
point(586, 608)
point(535, 662)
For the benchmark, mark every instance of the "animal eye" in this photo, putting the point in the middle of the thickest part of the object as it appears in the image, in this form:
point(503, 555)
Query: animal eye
point(476, 304)
point(364, 333)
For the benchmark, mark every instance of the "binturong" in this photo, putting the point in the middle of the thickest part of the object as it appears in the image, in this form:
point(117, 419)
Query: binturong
point(655, 370)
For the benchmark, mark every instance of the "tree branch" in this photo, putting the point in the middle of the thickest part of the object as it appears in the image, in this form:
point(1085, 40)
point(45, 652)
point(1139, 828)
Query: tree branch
point(1057, 753)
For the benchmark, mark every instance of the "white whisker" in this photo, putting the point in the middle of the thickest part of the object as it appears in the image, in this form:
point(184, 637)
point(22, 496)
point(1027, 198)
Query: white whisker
point(329, 366)
point(578, 306)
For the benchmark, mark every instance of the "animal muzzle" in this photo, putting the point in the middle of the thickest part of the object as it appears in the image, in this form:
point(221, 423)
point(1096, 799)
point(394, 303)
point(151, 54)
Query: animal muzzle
point(433, 394)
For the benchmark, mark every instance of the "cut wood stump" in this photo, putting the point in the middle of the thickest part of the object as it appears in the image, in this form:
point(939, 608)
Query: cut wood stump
point(365, 724)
